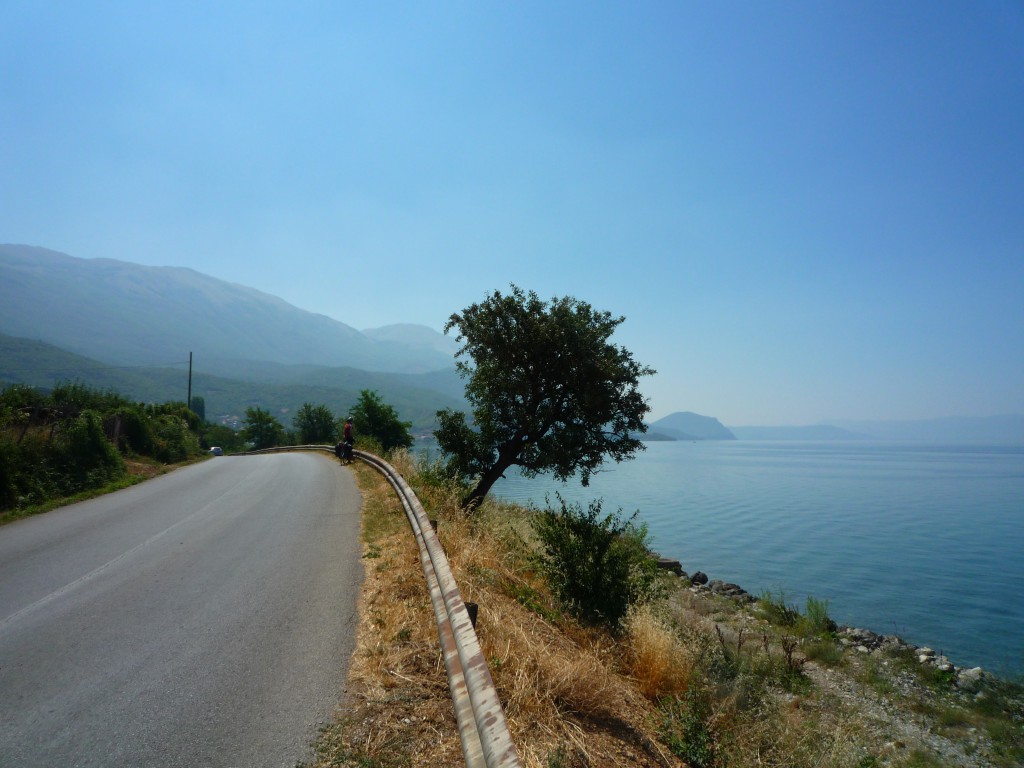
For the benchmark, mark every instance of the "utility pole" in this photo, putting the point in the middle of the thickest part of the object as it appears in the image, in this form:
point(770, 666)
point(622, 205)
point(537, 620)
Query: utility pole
point(188, 404)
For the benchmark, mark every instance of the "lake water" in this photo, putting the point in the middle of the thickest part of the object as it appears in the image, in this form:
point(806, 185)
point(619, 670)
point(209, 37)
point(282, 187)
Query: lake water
point(919, 540)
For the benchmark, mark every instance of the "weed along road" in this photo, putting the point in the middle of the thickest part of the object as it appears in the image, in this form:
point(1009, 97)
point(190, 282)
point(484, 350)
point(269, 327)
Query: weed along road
point(203, 618)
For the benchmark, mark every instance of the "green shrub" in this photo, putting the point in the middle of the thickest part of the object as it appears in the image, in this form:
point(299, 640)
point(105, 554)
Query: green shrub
point(58, 444)
point(89, 458)
point(434, 472)
point(370, 444)
point(776, 610)
point(825, 651)
point(8, 487)
point(133, 429)
point(73, 397)
point(174, 441)
point(597, 565)
point(32, 471)
point(816, 622)
point(532, 600)
point(686, 728)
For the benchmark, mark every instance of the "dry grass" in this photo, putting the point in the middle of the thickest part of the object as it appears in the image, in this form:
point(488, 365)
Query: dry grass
point(566, 703)
point(659, 662)
point(397, 710)
point(574, 696)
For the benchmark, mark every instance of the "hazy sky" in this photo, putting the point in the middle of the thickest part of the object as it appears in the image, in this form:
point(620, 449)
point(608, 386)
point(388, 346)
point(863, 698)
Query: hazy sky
point(805, 210)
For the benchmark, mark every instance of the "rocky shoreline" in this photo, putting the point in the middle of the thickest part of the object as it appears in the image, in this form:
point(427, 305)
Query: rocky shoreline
point(968, 679)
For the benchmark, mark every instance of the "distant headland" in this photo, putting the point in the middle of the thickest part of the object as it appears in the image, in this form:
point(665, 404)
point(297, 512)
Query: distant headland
point(991, 430)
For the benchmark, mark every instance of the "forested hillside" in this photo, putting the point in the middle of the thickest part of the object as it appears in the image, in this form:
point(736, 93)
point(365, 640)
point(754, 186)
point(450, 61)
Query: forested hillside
point(277, 388)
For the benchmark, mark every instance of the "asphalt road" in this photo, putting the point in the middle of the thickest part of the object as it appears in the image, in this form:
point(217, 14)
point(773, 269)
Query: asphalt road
point(203, 618)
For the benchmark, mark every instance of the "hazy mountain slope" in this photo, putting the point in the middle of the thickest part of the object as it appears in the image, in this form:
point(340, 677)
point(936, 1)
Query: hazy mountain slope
point(38, 364)
point(42, 365)
point(120, 312)
point(446, 382)
point(417, 336)
point(684, 425)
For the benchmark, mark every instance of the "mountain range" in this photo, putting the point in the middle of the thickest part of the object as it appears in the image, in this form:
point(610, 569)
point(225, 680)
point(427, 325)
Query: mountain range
point(684, 425)
point(127, 327)
point(131, 328)
point(130, 314)
point(281, 390)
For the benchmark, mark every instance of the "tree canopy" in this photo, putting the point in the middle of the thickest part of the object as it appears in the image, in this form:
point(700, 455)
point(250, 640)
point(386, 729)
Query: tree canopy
point(316, 424)
point(374, 418)
point(548, 390)
point(262, 429)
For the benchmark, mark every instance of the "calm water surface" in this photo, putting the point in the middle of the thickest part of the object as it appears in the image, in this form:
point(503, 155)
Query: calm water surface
point(924, 541)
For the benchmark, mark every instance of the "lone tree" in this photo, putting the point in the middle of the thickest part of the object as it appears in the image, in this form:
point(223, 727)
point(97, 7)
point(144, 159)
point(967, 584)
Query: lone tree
point(316, 424)
point(262, 429)
point(374, 418)
point(549, 392)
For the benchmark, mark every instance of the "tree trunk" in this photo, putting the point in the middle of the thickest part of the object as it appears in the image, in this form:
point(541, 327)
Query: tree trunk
point(487, 479)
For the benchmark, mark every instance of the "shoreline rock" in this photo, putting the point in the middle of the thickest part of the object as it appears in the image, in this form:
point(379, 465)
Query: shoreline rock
point(862, 640)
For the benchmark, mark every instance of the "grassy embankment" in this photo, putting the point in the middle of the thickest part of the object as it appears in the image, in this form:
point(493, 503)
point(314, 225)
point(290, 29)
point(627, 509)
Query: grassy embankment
point(692, 679)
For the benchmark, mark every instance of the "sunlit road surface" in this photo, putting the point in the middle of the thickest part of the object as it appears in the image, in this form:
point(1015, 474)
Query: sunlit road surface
point(202, 618)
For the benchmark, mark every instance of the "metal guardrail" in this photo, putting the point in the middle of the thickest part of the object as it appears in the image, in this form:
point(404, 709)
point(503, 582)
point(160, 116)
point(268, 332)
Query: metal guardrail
point(483, 729)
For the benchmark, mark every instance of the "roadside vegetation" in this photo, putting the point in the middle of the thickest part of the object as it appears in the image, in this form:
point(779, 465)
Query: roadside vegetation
point(379, 421)
point(600, 657)
point(73, 441)
point(681, 676)
point(376, 424)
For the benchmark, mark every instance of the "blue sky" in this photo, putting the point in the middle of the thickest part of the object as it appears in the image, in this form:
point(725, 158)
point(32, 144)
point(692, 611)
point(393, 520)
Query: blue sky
point(805, 211)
